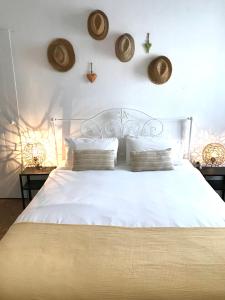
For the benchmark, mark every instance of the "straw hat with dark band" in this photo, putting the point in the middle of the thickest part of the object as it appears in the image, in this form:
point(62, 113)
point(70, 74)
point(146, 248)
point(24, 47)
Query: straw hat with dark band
point(160, 70)
point(61, 55)
point(98, 25)
point(125, 47)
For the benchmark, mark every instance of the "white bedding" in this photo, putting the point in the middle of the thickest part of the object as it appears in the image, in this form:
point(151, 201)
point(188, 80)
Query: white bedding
point(177, 198)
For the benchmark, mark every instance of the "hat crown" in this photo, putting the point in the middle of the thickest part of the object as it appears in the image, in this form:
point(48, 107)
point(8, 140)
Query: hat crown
point(162, 68)
point(125, 45)
point(60, 55)
point(98, 24)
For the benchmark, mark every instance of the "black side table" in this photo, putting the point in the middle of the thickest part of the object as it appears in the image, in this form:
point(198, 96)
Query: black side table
point(216, 184)
point(34, 180)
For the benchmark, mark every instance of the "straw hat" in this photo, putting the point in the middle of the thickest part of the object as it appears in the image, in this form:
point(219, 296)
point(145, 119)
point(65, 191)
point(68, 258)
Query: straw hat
point(61, 55)
point(125, 47)
point(160, 70)
point(98, 25)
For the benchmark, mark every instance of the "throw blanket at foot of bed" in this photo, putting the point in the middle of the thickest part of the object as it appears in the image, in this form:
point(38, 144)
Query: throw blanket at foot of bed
point(73, 262)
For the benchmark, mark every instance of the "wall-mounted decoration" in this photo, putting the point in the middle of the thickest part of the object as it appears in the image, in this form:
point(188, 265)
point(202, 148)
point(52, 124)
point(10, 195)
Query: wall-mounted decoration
point(125, 47)
point(98, 25)
point(61, 55)
point(160, 70)
point(147, 44)
point(91, 76)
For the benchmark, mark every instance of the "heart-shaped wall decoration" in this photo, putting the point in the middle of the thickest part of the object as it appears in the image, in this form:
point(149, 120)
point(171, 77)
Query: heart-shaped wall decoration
point(91, 77)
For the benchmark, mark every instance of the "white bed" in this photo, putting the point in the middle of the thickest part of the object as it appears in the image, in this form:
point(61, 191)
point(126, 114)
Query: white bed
point(153, 234)
point(176, 198)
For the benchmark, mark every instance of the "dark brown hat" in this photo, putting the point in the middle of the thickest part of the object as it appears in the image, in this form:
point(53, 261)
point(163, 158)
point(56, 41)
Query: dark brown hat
point(160, 70)
point(61, 55)
point(98, 25)
point(125, 47)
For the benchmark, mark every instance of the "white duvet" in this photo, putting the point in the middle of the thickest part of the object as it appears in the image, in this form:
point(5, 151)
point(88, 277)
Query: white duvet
point(177, 198)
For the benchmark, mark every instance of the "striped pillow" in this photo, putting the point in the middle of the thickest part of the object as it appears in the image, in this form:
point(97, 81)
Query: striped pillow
point(152, 160)
point(93, 160)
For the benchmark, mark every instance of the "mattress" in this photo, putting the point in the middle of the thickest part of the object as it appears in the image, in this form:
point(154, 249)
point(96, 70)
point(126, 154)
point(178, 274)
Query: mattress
point(176, 198)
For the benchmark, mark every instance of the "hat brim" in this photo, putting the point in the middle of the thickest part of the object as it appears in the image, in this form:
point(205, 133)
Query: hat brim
point(155, 78)
point(70, 52)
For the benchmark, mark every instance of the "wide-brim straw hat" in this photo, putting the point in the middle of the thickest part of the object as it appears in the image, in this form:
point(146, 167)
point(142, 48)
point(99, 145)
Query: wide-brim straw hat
point(160, 70)
point(98, 25)
point(125, 47)
point(61, 55)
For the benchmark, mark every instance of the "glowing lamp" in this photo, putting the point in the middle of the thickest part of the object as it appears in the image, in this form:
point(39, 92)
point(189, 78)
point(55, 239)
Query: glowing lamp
point(34, 154)
point(213, 154)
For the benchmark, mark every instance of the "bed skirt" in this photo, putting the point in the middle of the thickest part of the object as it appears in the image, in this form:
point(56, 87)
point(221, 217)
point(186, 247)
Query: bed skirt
point(73, 262)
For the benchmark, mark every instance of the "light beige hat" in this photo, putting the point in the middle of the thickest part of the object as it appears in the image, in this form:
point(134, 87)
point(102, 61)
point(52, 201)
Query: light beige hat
point(98, 25)
point(61, 55)
point(125, 47)
point(160, 70)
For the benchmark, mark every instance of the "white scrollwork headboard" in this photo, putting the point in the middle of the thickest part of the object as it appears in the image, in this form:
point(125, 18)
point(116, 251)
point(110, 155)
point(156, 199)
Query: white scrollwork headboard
point(119, 122)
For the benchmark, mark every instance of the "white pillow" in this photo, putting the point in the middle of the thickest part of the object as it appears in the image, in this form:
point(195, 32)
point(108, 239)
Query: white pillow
point(145, 143)
point(89, 144)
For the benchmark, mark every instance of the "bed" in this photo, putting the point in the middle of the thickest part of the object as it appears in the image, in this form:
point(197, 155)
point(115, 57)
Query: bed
point(118, 234)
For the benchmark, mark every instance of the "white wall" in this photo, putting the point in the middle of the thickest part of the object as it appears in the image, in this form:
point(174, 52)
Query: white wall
point(191, 33)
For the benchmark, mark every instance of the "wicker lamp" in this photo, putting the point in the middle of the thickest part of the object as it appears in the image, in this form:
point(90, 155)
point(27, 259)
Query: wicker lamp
point(213, 154)
point(34, 154)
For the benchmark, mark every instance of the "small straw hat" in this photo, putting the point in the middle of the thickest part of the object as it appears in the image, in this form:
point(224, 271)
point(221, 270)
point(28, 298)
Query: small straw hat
point(160, 70)
point(98, 25)
point(125, 47)
point(61, 55)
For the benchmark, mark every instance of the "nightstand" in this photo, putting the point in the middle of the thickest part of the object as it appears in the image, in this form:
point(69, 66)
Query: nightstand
point(32, 179)
point(216, 184)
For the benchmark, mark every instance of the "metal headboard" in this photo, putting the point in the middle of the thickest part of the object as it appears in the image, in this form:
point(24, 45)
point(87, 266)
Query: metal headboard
point(119, 122)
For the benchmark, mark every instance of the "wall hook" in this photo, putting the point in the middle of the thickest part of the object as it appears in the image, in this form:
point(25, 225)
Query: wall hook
point(147, 44)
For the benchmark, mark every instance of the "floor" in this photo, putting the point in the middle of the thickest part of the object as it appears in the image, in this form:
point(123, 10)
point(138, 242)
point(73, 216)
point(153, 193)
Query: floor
point(9, 211)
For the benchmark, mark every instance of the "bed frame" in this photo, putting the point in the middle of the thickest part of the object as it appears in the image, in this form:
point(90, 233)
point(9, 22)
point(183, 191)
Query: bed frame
point(119, 122)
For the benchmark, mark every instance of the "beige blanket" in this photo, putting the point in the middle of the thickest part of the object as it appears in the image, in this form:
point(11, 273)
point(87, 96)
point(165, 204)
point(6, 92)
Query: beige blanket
point(74, 262)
